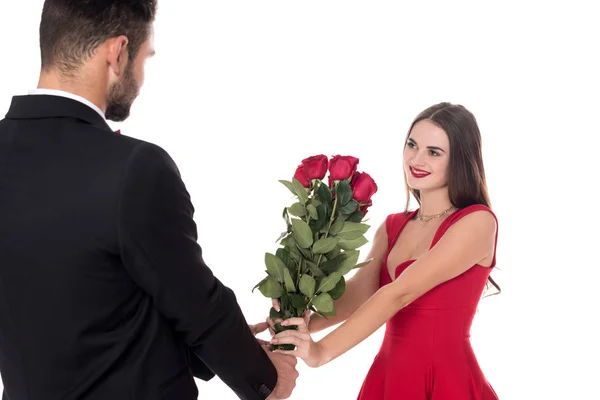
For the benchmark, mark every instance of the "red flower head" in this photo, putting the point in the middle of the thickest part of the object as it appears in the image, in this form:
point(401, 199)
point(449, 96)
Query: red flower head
point(315, 167)
point(363, 187)
point(342, 167)
point(301, 177)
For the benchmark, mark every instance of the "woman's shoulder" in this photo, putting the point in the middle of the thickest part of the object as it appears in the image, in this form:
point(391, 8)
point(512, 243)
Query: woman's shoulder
point(479, 211)
point(473, 217)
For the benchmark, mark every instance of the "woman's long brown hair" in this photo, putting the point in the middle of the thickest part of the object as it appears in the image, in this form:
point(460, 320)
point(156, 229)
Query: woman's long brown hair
point(466, 175)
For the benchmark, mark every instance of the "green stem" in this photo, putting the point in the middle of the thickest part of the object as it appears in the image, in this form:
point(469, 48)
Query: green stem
point(312, 189)
point(331, 219)
point(299, 268)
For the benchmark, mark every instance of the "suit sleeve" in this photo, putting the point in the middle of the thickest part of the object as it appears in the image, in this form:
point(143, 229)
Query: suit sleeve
point(158, 238)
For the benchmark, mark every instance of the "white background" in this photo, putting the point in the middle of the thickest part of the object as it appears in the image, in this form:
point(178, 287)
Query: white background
point(240, 91)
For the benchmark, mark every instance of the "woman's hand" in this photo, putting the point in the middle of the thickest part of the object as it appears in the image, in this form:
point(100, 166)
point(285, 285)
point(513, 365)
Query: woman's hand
point(272, 322)
point(309, 351)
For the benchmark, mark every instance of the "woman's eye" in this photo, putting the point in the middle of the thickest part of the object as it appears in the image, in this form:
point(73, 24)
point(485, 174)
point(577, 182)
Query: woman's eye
point(411, 145)
point(434, 153)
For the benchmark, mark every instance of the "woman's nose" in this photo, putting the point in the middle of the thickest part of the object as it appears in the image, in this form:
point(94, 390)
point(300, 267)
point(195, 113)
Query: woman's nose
point(418, 159)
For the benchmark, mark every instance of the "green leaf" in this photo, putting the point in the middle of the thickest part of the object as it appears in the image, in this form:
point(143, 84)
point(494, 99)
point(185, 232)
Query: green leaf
point(352, 244)
point(350, 260)
point(344, 193)
point(353, 230)
point(259, 283)
point(332, 265)
point(300, 191)
point(302, 233)
point(324, 245)
point(275, 267)
point(297, 209)
point(312, 211)
point(274, 314)
point(289, 185)
point(282, 236)
point(323, 302)
point(292, 266)
point(339, 289)
point(271, 288)
point(337, 226)
point(307, 285)
point(324, 193)
point(333, 253)
point(362, 264)
point(295, 252)
point(284, 302)
point(298, 300)
point(289, 242)
point(322, 221)
point(312, 267)
point(305, 253)
point(283, 254)
point(349, 208)
point(315, 202)
point(356, 216)
point(289, 281)
point(329, 282)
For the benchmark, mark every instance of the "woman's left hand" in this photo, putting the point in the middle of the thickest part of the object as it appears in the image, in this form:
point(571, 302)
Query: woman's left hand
point(309, 351)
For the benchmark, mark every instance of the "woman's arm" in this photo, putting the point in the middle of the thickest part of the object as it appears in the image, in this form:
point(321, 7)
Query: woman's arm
point(466, 243)
point(359, 288)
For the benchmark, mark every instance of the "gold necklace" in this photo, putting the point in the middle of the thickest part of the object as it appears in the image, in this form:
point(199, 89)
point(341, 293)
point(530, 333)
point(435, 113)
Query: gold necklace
point(427, 218)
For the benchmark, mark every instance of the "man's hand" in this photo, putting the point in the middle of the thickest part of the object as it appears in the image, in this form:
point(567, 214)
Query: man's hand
point(258, 328)
point(286, 375)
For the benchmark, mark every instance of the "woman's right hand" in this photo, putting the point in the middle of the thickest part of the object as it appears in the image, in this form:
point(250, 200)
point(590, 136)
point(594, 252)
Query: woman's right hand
point(277, 307)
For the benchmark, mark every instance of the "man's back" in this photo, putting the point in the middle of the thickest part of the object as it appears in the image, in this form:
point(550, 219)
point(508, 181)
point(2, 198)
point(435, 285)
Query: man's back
point(94, 265)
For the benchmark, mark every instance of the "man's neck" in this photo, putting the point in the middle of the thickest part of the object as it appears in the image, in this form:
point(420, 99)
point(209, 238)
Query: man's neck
point(76, 86)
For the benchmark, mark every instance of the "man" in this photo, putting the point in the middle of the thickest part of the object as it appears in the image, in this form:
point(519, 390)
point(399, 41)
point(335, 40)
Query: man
point(104, 293)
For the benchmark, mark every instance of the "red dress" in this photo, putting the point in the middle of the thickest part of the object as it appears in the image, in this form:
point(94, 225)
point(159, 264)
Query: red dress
point(426, 353)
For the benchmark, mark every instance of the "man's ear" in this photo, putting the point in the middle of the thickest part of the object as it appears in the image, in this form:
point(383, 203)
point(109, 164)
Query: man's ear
point(118, 54)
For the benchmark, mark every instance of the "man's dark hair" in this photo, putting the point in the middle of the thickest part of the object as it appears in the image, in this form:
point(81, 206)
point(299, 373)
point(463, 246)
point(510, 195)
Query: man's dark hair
point(71, 30)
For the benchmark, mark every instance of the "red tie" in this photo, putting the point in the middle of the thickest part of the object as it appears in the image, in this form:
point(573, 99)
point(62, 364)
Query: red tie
point(118, 131)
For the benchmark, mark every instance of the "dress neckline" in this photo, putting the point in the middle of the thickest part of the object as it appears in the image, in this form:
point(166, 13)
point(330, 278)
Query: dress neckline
point(410, 216)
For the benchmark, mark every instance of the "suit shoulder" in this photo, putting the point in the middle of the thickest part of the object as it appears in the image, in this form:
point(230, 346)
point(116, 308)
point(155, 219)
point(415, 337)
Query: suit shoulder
point(149, 158)
point(150, 152)
point(136, 149)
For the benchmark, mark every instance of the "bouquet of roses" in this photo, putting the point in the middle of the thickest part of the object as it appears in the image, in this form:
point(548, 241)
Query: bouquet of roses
point(324, 230)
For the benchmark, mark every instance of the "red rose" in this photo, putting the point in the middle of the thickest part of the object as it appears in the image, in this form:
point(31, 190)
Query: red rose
point(315, 167)
point(365, 208)
point(342, 167)
point(301, 177)
point(363, 187)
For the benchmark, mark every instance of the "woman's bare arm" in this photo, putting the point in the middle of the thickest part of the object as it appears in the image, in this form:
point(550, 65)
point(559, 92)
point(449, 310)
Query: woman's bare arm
point(359, 288)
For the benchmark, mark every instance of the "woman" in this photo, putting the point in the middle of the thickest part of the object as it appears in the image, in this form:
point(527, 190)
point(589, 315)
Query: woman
point(429, 269)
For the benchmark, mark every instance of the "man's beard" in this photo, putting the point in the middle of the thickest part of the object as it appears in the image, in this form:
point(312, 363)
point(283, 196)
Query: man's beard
point(121, 96)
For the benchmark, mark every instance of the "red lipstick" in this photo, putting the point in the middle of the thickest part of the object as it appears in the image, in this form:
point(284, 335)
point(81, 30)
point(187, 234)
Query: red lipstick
point(418, 173)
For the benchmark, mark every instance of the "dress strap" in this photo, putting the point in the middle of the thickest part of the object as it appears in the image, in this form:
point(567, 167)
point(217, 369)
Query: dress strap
point(394, 224)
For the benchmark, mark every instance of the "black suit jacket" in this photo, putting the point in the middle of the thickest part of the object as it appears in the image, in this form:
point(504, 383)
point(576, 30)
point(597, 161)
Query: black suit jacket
point(103, 291)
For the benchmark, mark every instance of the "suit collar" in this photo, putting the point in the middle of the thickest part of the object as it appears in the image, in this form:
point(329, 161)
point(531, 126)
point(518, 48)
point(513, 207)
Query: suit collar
point(50, 106)
point(56, 92)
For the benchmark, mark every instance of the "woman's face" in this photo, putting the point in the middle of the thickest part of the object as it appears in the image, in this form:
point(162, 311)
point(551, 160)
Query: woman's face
point(426, 157)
